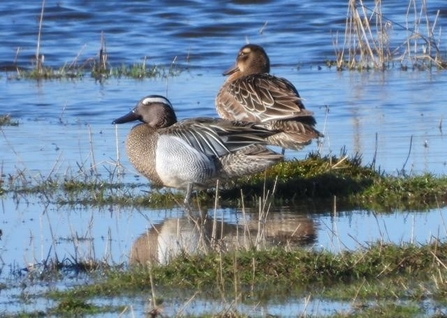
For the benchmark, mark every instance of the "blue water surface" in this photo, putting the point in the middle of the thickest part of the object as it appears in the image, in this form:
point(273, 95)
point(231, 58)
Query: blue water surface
point(393, 118)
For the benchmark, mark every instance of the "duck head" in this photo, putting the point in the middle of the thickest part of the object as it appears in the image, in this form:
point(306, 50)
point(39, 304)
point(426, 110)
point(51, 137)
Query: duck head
point(251, 59)
point(154, 110)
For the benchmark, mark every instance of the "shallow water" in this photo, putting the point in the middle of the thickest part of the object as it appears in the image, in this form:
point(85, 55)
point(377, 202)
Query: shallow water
point(394, 118)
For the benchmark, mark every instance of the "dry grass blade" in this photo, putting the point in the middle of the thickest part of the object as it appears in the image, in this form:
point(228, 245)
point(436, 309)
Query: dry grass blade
point(367, 44)
point(39, 59)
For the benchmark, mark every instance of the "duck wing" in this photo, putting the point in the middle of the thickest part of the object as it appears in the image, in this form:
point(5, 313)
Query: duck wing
point(219, 137)
point(262, 97)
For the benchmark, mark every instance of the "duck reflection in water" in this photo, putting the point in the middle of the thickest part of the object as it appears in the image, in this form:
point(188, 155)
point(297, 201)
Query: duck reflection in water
point(187, 235)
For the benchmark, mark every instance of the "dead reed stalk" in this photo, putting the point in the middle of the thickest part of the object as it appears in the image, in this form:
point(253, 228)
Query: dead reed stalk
point(367, 38)
point(39, 59)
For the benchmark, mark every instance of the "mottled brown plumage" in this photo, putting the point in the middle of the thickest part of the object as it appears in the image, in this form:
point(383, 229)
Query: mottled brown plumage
point(251, 94)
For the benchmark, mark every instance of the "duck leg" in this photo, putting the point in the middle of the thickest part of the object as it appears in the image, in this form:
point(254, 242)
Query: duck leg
point(187, 201)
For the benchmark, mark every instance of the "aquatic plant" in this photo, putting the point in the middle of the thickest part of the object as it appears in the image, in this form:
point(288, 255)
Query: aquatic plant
point(324, 178)
point(373, 271)
point(98, 68)
point(373, 278)
point(6, 120)
point(367, 42)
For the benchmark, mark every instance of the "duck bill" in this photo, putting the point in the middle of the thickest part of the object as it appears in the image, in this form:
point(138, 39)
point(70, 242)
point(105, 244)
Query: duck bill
point(231, 70)
point(127, 118)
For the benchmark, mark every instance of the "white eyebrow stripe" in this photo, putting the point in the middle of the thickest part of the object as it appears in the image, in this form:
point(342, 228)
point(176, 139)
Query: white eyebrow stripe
point(160, 100)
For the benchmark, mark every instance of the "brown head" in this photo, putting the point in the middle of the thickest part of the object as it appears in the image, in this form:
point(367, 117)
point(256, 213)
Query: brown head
point(154, 110)
point(251, 59)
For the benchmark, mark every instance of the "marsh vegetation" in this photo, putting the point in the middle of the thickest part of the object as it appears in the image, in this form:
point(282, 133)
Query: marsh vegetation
point(371, 40)
point(379, 277)
point(368, 41)
point(244, 266)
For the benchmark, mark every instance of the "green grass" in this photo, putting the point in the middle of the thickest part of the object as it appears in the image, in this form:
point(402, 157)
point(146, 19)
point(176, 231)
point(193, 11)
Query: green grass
point(99, 68)
point(381, 279)
point(279, 267)
point(134, 71)
point(138, 71)
point(384, 280)
point(354, 184)
point(77, 306)
point(316, 178)
point(383, 310)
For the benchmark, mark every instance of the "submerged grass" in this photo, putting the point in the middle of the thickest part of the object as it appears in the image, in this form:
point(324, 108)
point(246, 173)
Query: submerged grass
point(98, 67)
point(6, 120)
point(78, 307)
point(90, 68)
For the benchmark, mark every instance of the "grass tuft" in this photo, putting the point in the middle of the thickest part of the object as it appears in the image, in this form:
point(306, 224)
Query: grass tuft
point(99, 68)
point(80, 307)
point(6, 120)
point(316, 178)
point(356, 272)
